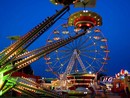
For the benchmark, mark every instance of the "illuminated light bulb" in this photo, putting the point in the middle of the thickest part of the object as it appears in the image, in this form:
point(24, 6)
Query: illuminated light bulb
point(84, 11)
point(58, 58)
point(34, 59)
point(96, 50)
point(90, 72)
point(30, 61)
point(90, 37)
point(98, 19)
point(80, 25)
point(20, 66)
point(11, 56)
point(88, 24)
point(81, 14)
point(89, 14)
point(74, 17)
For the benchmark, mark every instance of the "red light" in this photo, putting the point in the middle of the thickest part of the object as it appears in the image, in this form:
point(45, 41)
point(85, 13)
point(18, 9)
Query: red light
point(79, 25)
point(88, 24)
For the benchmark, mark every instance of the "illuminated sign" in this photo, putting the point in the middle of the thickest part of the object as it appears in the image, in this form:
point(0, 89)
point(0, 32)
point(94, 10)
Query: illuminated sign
point(107, 79)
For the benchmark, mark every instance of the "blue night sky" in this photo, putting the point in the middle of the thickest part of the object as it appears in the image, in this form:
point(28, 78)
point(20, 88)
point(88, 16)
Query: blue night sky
point(19, 16)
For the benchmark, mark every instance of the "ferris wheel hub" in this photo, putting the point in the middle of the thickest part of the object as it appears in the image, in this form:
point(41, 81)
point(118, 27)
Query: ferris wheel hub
point(85, 19)
point(77, 51)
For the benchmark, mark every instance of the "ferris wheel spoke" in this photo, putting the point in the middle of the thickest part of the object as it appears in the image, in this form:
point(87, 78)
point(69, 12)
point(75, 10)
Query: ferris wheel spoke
point(93, 43)
point(51, 55)
point(65, 62)
point(68, 46)
point(55, 63)
point(59, 69)
point(84, 42)
point(62, 64)
point(88, 51)
point(90, 67)
point(88, 37)
point(88, 46)
point(101, 61)
point(99, 53)
point(94, 68)
point(56, 67)
point(65, 56)
point(87, 64)
point(64, 51)
point(73, 44)
point(88, 56)
point(79, 41)
point(99, 65)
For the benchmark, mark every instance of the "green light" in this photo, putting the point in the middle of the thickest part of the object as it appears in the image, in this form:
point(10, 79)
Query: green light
point(1, 79)
point(0, 93)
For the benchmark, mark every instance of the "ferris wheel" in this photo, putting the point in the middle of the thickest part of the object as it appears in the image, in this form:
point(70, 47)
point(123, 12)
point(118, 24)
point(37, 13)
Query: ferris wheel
point(87, 54)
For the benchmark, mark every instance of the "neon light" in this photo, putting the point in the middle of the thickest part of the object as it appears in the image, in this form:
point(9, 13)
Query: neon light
point(1, 79)
point(0, 92)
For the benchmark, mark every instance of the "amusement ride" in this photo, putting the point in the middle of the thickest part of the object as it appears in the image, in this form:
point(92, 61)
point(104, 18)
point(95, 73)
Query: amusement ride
point(75, 52)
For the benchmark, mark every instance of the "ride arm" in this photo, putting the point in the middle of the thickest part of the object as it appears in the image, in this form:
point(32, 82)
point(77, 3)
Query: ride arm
point(23, 42)
point(28, 87)
point(38, 54)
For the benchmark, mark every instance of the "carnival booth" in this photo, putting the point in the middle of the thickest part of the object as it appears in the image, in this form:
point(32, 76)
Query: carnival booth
point(121, 83)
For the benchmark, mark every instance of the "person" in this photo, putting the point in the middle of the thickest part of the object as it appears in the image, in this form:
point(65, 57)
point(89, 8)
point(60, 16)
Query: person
point(93, 90)
point(104, 92)
point(127, 92)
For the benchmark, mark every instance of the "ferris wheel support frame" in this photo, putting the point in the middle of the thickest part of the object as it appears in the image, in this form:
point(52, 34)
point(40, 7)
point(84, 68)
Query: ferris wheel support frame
point(71, 64)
